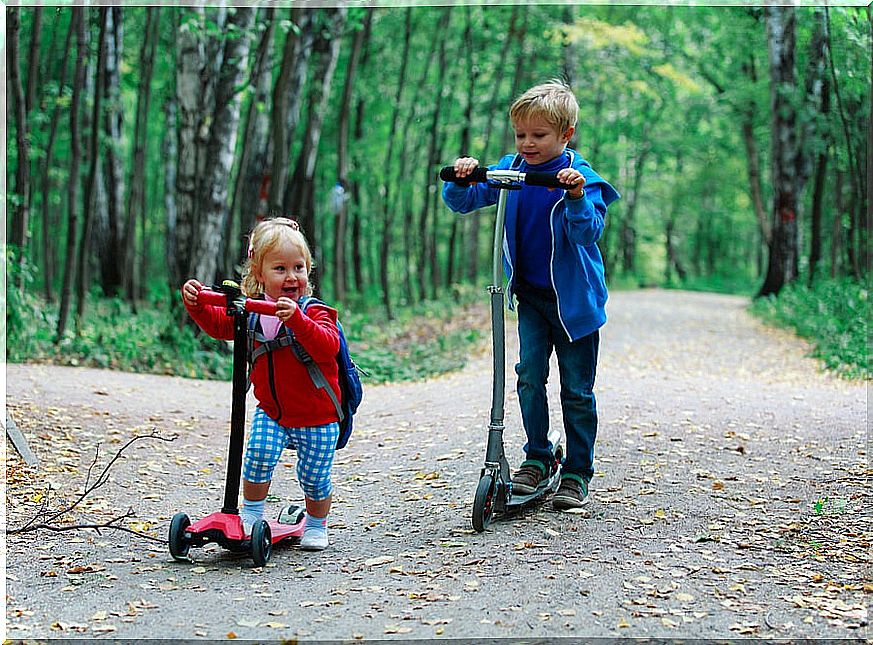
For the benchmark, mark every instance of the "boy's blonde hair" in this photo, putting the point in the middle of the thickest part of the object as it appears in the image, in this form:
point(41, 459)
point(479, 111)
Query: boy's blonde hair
point(554, 102)
point(265, 237)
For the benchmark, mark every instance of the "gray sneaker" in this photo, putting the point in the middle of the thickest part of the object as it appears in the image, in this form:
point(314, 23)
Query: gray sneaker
point(527, 478)
point(572, 493)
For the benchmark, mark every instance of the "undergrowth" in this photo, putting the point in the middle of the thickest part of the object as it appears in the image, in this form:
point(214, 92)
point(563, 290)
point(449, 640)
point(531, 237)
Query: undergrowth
point(424, 340)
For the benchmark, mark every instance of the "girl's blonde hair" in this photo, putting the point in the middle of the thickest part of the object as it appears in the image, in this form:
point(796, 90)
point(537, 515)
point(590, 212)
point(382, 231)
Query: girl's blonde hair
point(554, 102)
point(265, 237)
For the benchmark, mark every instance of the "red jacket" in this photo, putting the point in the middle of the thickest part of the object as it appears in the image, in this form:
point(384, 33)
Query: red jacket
point(283, 387)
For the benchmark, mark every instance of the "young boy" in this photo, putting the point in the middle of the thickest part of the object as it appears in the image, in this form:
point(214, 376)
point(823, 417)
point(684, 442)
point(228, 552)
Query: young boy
point(555, 271)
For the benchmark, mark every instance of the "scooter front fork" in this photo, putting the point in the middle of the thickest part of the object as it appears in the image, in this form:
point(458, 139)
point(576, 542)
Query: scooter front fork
point(497, 466)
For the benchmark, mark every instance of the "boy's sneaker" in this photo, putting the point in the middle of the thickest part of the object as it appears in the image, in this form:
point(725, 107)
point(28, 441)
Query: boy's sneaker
point(572, 493)
point(527, 478)
point(314, 539)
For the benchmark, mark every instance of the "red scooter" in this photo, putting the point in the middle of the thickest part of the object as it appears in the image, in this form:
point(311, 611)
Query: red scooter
point(225, 528)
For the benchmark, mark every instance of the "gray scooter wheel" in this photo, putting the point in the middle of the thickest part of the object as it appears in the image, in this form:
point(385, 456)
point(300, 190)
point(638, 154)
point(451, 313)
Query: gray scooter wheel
point(483, 502)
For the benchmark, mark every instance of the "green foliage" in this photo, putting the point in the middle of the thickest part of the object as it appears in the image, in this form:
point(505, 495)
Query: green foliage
point(428, 339)
point(833, 315)
point(424, 340)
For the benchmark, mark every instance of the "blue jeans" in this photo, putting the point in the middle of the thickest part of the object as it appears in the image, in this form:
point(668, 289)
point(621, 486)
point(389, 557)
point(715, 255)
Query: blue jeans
point(539, 332)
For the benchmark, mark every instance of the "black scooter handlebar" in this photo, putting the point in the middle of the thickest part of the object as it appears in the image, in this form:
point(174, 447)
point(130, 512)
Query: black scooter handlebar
point(480, 174)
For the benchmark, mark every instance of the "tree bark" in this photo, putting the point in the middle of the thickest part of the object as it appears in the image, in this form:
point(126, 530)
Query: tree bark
point(342, 172)
point(221, 146)
point(21, 210)
point(136, 199)
point(387, 219)
point(302, 198)
point(357, 241)
point(782, 261)
point(249, 198)
point(109, 232)
point(77, 25)
point(91, 182)
point(45, 173)
point(287, 95)
point(190, 62)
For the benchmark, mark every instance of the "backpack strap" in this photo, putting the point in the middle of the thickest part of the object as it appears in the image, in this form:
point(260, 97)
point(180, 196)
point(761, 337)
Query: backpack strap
point(315, 373)
point(286, 339)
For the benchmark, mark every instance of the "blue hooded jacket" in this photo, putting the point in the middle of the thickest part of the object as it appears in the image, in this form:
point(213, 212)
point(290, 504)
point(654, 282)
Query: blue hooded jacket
point(576, 265)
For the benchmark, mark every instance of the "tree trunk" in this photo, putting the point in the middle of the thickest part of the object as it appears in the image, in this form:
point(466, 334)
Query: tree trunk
point(109, 232)
point(249, 198)
point(48, 222)
point(387, 219)
point(287, 95)
point(458, 229)
point(782, 263)
point(357, 241)
point(427, 258)
point(190, 62)
point(136, 199)
point(170, 155)
point(34, 58)
point(21, 210)
point(819, 183)
point(221, 147)
point(342, 171)
point(473, 223)
point(91, 182)
point(302, 201)
point(77, 25)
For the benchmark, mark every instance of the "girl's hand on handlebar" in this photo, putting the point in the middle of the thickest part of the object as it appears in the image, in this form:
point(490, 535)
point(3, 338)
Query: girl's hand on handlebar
point(190, 292)
point(464, 166)
point(285, 308)
point(571, 177)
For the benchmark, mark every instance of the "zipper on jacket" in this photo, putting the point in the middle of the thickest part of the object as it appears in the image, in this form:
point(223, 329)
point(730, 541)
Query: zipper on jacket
point(552, 258)
point(273, 384)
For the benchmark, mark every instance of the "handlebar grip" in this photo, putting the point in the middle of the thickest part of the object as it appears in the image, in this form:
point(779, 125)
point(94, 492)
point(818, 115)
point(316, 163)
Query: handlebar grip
point(447, 173)
point(263, 307)
point(547, 179)
point(218, 299)
point(210, 297)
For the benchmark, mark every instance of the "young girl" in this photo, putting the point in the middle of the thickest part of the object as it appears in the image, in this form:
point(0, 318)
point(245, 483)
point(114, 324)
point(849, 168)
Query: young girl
point(291, 410)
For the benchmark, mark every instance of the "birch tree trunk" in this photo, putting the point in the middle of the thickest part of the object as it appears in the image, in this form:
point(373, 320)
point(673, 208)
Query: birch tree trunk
point(222, 145)
point(248, 198)
point(301, 204)
point(287, 97)
point(190, 62)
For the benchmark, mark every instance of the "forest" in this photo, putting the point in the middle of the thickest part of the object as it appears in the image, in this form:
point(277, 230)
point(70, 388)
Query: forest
point(143, 143)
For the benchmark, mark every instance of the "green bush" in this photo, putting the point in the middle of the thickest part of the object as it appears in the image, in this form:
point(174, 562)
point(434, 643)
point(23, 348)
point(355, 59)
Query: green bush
point(833, 315)
point(423, 340)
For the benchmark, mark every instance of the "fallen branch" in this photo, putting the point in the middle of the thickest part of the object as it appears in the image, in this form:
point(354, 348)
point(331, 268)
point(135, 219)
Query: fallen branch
point(45, 520)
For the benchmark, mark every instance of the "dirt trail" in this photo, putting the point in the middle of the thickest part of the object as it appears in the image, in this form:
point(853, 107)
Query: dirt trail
point(730, 501)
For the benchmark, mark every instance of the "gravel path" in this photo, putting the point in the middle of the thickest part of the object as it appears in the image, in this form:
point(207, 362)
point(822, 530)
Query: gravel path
point(730, 501)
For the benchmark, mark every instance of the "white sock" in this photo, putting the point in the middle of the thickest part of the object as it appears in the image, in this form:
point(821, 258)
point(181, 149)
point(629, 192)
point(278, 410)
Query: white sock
point(250, 513)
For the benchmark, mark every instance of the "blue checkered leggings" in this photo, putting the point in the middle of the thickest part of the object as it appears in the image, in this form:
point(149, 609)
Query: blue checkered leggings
point(315, 447)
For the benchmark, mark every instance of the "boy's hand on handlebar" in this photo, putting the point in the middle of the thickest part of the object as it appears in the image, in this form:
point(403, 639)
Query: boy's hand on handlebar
point(190, 292)
point(571, 177)
point(464, 166)
point(285, 308)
